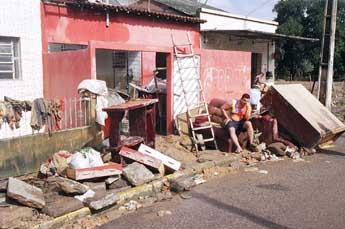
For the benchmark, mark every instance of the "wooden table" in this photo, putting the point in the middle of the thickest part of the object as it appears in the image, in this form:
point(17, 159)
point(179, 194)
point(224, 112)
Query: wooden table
point(141, 115)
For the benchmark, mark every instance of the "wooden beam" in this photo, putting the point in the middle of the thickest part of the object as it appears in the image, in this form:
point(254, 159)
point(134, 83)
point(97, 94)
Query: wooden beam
point(94, 172)
point(167, 161)
point(143, 159)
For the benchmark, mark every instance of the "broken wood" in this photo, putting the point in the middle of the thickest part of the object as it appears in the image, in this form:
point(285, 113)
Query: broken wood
point(167, 161)
point(143, 158)
point(94, 172)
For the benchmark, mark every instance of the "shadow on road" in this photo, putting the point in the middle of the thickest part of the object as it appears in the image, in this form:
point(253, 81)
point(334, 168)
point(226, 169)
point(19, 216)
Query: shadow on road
point(333, 152)
point(238, 211)
point(275, 187)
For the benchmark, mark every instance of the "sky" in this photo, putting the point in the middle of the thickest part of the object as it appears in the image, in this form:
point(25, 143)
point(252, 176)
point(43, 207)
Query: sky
point(261, 9)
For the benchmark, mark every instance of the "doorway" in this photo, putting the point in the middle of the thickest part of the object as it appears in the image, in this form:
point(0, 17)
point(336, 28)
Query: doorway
point(256, 67)
point(161, 77)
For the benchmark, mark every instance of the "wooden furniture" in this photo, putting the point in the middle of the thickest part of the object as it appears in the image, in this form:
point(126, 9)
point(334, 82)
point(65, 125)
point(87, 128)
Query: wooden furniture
point(141, 115)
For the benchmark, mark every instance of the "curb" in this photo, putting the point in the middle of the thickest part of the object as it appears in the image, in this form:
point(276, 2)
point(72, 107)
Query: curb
point(57, 222)
point(145, 189)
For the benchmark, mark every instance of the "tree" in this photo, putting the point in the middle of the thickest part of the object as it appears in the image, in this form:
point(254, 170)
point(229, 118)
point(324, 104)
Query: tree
point(305, 18)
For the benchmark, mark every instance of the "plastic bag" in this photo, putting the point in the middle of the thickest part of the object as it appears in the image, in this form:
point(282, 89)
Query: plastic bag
point(79, 161)
point(94, 157)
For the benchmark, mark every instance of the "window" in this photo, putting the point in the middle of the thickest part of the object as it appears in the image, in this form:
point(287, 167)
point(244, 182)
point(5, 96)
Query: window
point(58, 47)
point(9, 58)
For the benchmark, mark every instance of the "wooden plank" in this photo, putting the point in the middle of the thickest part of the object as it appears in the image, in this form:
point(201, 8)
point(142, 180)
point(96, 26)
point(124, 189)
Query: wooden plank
point(94, 172)
point(167, 161)
point(143, 159)
point(130, 105)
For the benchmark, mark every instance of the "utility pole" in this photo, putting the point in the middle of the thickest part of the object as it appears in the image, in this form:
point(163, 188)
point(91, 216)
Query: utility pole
point(325, 79)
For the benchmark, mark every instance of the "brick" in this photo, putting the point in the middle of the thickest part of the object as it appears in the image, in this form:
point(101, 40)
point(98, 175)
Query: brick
point(25, 194)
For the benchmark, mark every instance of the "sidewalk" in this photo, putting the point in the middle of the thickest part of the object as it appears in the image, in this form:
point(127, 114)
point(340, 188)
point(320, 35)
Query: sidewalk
point(194, 171)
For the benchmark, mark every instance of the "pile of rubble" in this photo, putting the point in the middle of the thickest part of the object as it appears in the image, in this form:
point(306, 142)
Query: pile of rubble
point(69, 182)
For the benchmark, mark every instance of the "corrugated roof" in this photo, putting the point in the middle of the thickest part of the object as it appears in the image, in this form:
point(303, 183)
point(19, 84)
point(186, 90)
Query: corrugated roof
point(189, 7)
point(131, 10)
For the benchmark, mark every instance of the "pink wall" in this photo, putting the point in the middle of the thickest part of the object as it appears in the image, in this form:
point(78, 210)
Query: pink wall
point(225, 74)
point(63, 25)
point(63, 71)
point(148, 64)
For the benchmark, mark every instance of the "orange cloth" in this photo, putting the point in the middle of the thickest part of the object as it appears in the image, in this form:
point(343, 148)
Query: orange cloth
point(237, 110)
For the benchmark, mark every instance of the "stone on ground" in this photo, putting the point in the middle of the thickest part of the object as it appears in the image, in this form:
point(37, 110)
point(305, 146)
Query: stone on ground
point(210, 155)
point(137, 174)
point(120, 183)
point(12, 214)
point(237, 164)
point(102, 201)
point(3, 185)
point(25, 194)
point(58, 205)
point(111, 180)
point(71, 186)
point(184, 183)
point(163, 213)
point(96, 186)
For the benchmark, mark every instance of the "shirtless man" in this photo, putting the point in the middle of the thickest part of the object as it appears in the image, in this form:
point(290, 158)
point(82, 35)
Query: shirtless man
point(240, 112)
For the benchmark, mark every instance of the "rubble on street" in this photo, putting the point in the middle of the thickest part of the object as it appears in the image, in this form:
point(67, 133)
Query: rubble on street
point(25, 194)
point(137, 174)
point(71, 186)
point(58, 205)
point(111, 106)
point(101, 201)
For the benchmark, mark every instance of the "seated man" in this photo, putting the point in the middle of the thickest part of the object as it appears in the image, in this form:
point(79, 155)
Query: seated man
point(238, 120)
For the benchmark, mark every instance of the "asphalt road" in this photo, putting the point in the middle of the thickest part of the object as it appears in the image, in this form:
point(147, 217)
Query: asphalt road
point(307, 194)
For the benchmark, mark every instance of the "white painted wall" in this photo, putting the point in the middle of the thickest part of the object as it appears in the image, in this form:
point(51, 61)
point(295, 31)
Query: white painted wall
point(105, 71)
point(225, 22)
point(134, 64)
point(217, 20)
point(22, 19)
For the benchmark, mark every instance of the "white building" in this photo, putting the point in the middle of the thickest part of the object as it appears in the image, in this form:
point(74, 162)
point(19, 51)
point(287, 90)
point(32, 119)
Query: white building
point(21, 74)
point(21, 71)
point(228, 31)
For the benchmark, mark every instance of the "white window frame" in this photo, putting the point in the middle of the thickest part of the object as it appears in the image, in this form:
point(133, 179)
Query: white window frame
point(14, 54)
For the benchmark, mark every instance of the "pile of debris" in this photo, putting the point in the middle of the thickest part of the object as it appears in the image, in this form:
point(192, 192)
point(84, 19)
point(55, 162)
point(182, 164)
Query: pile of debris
point(69, 182)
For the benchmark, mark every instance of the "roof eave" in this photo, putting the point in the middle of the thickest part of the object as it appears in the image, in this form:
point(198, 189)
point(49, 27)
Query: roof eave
point(264, 35)
point(130, 10)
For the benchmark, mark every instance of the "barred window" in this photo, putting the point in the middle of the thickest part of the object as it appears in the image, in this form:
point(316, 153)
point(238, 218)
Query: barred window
point(9, 58)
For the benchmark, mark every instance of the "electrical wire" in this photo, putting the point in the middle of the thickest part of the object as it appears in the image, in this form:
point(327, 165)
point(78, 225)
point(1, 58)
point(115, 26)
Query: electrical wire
point(261, 5)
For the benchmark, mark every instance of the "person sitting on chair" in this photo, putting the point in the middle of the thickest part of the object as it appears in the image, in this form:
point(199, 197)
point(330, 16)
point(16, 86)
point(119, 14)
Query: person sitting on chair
point(238, 120)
